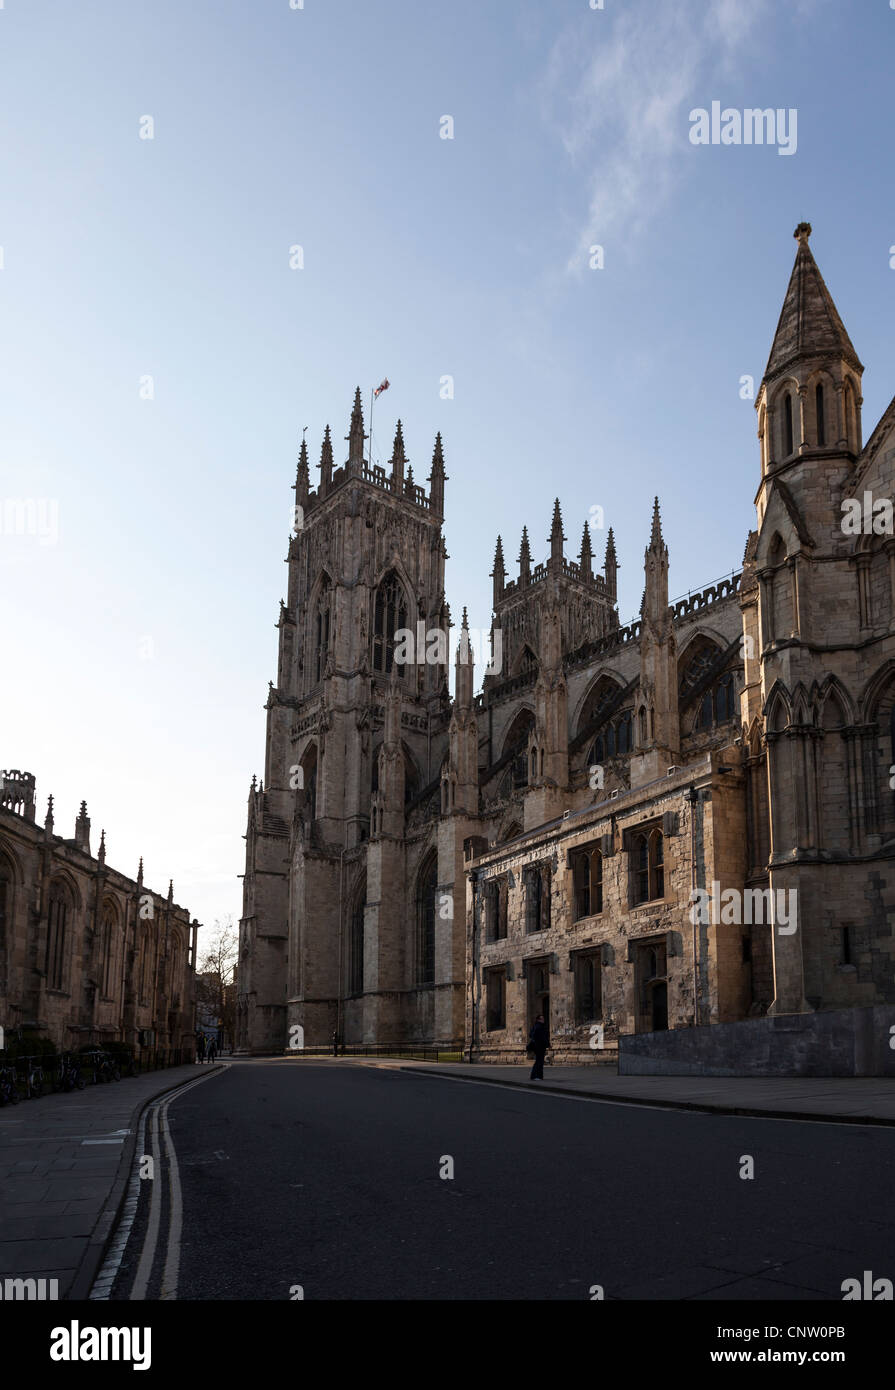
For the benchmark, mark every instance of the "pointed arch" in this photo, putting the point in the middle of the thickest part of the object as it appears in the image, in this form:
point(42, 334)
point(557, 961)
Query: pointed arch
point(358, 903)
point(525, 660)
point(391, 614)
point(832, 689)
point(308, 763)
point(777, 710)
point(110, 926)
point(603, 690)
point(426, 895)
point(511, 831)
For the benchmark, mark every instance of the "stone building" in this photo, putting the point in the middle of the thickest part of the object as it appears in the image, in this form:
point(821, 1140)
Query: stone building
point(86, 954)
point(631, 829)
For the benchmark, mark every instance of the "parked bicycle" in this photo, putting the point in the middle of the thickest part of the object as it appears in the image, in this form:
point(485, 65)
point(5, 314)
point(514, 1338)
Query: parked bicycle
point(9, 1091)
point(34, 1077)
point(70, 1078)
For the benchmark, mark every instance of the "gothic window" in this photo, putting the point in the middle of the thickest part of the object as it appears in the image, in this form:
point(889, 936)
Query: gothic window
point(647, 858)
point(717, 704)
point(390, 617)
point(5, 920)
point(516, 742)
point(309, 779)
point(108, 949)
point(145, 964)
point(536, 882)
point(588, 987)
point(57, 925)
point(321, 628)
point(427, 887)
point(787, 425)
point(819, 414)
point(587, 876)
point(356, 942)
point(174, 979)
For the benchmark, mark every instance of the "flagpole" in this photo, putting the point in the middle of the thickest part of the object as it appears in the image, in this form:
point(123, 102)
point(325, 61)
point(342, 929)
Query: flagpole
point(372, 399)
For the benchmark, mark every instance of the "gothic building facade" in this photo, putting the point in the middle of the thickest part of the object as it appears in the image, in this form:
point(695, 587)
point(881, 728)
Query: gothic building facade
point(421, 868)
point(86, 954)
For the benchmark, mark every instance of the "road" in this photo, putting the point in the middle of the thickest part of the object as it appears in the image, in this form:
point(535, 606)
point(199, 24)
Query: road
point(322, 1181)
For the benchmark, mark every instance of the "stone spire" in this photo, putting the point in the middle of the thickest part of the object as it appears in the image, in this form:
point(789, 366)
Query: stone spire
point(809, 324)
point(398, 460)
point(437, 478)
point(171, 892)
point(101, 852)
point(82, 829)
point(525, 558)
point(140, 873)
point(556, 534)
point(610, 564)
point(586, 556)
point(356, 436)
point(499, 573)
point(656, 722)
point(48, 823)
point(465, 662)
point(410, 485)
point(326, 463)
point(302, 477)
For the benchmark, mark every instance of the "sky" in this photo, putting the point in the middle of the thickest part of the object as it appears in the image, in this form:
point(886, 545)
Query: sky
point(163, 345)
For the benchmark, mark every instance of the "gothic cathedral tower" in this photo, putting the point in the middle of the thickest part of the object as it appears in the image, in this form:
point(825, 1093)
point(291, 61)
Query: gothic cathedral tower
point(355, 742)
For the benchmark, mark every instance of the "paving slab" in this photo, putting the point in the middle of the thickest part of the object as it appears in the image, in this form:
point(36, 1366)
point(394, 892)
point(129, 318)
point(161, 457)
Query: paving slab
point(64, 1160)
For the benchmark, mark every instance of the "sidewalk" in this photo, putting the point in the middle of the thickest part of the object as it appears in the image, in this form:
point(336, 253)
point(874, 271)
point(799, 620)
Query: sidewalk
point(64, 1162)
point(843, 1100)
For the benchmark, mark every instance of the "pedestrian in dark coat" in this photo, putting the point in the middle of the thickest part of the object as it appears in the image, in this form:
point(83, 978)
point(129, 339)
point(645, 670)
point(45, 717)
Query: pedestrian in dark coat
point(200, 1048)
point(538, 1039)
point(212, 1049)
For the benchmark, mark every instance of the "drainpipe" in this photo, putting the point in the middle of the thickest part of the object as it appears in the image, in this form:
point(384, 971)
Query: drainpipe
point(692, 796)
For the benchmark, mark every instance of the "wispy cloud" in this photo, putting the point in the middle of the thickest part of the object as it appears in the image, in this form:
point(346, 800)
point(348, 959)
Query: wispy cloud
point(618, 97)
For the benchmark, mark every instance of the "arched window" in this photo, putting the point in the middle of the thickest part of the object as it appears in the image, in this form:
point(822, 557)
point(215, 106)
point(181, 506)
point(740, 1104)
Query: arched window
point(57, 925)
point(6, 883)
point(145, 964)
point(640, 868)
point(819, 414)
point(426, 890)
point(321, 628)
point(657, 864)
point(643, 733)
point(309, 779)
point(647, 856)
point(390, 617)
point(174, 978)
point(516, 742)
point(108, 948)
point(587, 874)
point(787, 425)
point(356, 941)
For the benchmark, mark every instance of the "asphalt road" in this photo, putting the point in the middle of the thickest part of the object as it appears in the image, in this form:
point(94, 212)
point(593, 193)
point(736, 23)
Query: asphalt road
point(327, 1178)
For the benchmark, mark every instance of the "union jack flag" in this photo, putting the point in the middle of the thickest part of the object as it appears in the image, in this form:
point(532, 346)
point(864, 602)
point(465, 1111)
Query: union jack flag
point(379, 389)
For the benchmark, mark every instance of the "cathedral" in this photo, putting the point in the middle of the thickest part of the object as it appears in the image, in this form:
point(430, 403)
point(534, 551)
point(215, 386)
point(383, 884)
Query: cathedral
point(632, 830)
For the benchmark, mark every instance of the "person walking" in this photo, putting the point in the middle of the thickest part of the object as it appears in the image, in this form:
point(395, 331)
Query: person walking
point(200, 1048)
point(211, 1050)
point(537, 1043)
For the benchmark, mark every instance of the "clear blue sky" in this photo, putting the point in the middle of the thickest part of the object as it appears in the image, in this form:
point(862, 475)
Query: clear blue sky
point(138, 646)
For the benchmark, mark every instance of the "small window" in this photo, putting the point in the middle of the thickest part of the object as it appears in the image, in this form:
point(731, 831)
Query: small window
point(587, 875)
point(647, 865)
point(537, 898)
point(588, 987)
point(787, 424)
point(495, 1000)
point(819, 411)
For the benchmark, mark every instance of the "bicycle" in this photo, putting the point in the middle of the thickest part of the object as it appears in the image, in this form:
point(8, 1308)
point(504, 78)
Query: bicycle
point(9, 1091)
point(70, 1077)
point(34, 1078)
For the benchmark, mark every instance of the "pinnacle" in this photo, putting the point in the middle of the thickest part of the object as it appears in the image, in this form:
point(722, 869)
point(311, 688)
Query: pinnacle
point(586, 548)
point(398, 453)
point(656, 536)
point(556, 528)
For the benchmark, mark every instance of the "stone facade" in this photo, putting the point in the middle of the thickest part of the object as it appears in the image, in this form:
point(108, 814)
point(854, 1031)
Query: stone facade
point(86, 954)
point(426, 869)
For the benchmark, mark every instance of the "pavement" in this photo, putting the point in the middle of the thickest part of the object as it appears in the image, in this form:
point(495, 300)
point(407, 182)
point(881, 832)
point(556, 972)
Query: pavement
point(64, 1161)
point(843, 1100)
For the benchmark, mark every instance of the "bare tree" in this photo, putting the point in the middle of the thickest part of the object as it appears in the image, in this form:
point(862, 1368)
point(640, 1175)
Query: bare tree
point(215, 989)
